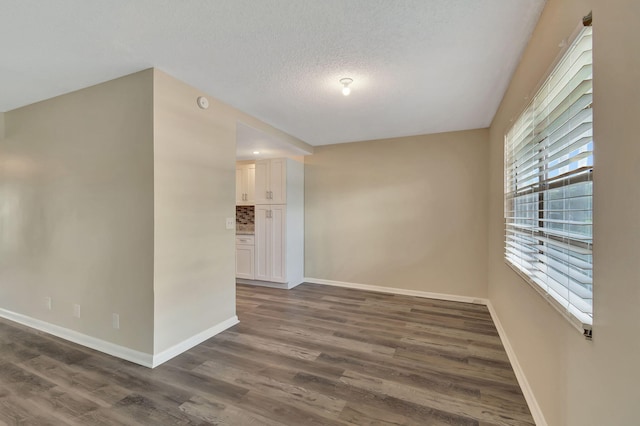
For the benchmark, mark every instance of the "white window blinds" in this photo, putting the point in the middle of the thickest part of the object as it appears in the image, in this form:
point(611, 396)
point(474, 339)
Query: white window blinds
point(548, 186)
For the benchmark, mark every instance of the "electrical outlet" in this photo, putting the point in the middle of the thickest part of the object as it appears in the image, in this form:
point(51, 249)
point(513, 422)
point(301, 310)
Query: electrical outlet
point(115, 320)
point(47, 302)
point(76, 310)
point(231, 222)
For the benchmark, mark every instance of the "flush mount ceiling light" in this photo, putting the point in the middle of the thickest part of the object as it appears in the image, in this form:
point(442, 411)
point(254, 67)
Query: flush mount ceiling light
point(345, 85)
point(256, 152)
point(203, 102)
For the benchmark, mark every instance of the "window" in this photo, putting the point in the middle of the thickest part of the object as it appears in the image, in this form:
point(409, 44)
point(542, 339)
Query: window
point(548, 187)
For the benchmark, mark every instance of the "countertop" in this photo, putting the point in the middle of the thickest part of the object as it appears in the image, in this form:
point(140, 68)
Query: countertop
point(245, 230)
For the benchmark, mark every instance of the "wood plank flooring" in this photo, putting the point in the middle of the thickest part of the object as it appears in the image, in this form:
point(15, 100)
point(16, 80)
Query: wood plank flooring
point(314, 355)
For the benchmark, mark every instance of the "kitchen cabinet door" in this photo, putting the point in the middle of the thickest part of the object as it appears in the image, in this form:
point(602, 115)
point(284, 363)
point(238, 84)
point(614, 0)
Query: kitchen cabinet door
point(239, 185)
point(270, 247)
point(262, 242)
point(278, 181)
point(262, 182)
point(245, 262)
point(245, 184)
point(277, 216)
point(271, 181)
point(250, 184)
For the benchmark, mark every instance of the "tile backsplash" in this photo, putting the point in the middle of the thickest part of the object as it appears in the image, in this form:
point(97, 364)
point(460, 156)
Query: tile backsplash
point(245, 215)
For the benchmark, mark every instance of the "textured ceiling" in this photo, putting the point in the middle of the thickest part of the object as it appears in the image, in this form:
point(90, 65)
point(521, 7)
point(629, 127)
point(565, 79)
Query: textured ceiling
point(419, 66)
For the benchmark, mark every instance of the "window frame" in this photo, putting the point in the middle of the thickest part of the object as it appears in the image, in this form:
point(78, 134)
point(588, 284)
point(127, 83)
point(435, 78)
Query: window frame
point(540, 185)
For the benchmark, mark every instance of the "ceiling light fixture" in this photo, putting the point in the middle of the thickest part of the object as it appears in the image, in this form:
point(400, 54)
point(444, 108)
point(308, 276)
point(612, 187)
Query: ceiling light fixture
point(203, 102)
point(345, 85)
point(256, 152)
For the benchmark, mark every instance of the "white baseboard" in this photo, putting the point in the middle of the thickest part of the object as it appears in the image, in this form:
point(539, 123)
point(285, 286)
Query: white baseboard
point(192, 341)
point(294, 284)
point(151, 361)
point(532, 402)
point(536, 412)
point(402, 291)
point(137, 357)
point(271, 284)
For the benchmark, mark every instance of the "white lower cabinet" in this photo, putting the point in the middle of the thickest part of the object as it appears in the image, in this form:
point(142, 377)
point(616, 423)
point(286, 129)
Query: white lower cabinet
point(245, 257)
point(270, 247)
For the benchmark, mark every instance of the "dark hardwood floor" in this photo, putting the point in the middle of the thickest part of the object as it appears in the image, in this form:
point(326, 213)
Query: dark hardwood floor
point(314, 355)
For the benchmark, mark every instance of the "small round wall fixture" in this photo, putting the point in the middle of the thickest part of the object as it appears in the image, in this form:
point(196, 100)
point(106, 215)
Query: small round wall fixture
point(203, 102)
point(346, 90)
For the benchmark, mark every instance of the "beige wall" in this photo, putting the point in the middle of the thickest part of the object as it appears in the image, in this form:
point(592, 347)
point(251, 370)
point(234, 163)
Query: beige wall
point(115, 197)
point(194, 152)
point(194, 188)
point(76, 203)
point(407, 213)
point(577, 382)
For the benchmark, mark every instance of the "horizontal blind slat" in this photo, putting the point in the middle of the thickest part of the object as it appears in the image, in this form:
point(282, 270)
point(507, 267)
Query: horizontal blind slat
point(548, 191)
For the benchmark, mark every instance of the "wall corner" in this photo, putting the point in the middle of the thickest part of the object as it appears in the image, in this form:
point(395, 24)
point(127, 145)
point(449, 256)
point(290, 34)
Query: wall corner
point(2, 126)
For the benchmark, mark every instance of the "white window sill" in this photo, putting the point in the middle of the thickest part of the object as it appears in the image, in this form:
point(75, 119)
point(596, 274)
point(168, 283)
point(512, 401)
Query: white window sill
point(582, 325)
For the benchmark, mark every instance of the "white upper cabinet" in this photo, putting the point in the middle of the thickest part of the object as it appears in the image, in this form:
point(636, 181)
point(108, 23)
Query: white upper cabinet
point(245, 184)
point(271, 181)
point(239, 185)
point(278, 181)
point(262, 182)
